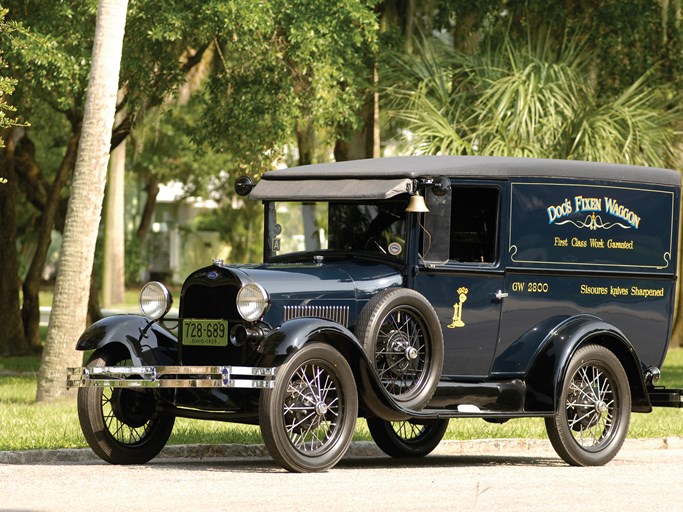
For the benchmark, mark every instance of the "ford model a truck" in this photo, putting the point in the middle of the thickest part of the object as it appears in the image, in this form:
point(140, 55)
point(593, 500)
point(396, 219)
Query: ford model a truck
point(408, 291)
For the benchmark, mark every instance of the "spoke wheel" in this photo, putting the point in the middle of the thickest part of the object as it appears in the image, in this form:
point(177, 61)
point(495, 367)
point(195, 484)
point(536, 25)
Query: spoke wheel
point(406, 439)
point(121, 425)
point(307, 420)
point(594, 414)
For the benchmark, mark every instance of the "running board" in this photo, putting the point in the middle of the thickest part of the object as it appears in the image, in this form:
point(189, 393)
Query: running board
point(493, 416)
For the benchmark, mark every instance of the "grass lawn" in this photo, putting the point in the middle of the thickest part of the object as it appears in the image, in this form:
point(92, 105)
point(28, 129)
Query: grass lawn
point(24, 424)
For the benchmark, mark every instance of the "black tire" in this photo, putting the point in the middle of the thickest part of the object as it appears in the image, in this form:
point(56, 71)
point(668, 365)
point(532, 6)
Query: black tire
point(308, 419)
point(121, 425)
point(402, 336)
point(594, 411)
point(408, 438)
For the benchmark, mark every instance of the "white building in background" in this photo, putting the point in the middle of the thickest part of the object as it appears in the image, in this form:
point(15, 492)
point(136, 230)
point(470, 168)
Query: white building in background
point(174, 248)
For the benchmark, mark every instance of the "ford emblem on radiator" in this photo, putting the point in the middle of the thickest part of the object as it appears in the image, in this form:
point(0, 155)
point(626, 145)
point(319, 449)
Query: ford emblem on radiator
point(212, 275)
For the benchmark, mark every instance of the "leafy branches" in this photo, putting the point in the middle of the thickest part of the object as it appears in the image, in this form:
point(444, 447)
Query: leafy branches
point(283, 62)
point(529, 100)
point(7, 84)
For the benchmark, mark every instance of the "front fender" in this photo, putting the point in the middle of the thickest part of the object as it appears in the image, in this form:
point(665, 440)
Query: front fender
point(548, 370)
point(294, 334)
point(147, 342)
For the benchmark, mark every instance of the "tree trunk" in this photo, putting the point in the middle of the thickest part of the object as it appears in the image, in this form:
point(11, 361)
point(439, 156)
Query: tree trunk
point(113, 264)
point(94, 311)
point(152, 189)
point(31, 308)
point(306, 140)
point(363, 143)
point(12, 338)
point(85, 204)
point(465, 37)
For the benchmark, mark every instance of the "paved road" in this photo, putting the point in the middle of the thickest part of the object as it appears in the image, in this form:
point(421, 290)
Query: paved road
point(650, 479)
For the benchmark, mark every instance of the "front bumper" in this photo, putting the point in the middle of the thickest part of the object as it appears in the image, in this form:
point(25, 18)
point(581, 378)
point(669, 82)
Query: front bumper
point(244, 377)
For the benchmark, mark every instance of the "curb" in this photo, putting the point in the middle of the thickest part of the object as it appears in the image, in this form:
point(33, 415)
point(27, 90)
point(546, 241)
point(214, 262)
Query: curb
point(357, 449)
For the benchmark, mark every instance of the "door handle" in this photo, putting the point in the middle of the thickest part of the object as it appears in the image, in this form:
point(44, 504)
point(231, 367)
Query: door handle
point(500, 295)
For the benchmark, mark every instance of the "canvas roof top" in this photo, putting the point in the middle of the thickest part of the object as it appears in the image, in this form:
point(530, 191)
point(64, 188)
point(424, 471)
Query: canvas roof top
point(385, 177)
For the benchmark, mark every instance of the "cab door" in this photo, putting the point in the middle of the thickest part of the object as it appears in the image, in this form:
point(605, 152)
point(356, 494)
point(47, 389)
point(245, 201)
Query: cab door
point(459, 272)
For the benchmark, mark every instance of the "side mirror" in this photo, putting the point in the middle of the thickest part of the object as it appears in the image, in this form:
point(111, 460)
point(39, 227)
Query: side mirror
point(243, 185)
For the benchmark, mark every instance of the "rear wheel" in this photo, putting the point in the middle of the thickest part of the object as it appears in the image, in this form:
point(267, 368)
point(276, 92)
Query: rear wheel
point(407, 439)
point(307, 420)
point(121, 425)
point(594, 412)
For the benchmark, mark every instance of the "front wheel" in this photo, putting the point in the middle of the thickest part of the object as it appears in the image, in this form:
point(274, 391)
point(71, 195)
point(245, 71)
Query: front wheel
point(121, 425)
point(307, 420)
point(407, 439)
point(594, 412)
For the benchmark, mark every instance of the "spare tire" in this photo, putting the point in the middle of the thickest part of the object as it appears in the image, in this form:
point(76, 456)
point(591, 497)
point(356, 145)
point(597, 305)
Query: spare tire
point(402, 336)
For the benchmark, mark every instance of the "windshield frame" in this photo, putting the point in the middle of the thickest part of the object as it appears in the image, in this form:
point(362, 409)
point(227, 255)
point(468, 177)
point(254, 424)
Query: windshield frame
point(394, 206)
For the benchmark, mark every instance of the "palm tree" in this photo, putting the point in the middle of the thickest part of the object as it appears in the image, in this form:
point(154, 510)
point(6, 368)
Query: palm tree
point(530, 100)
point(85, 204)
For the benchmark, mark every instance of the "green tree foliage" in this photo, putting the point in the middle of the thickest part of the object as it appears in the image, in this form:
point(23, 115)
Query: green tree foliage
point(269, 64)
point(531, 100)
point(257, 68)
point(7, 84)
point(282, 61)
point(627, 37)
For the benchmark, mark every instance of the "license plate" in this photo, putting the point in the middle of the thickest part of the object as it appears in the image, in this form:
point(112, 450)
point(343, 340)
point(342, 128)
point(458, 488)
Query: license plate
point(205, 333)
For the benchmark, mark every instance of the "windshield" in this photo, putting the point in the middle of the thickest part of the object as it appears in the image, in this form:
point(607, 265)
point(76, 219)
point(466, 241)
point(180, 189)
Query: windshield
point(376, 227)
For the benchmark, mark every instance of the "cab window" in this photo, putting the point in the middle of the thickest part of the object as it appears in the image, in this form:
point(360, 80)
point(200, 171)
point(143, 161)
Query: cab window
point(461, 225)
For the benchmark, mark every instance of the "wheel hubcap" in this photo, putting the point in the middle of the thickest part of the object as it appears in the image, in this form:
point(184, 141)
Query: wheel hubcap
point(600, 406)
point(401, 352)
point(321, 408)
point(410, 353)
point(398, 349)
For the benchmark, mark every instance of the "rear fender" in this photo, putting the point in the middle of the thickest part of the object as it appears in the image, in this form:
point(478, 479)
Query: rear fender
point(548, 370)
point(294, 334)
point(147, 342)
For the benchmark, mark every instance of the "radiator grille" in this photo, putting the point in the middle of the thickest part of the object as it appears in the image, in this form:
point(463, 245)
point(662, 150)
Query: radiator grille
point(210, 302)
point(339, 314)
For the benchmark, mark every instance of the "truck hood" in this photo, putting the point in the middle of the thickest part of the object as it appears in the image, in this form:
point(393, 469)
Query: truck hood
point(336, 280)
point(334, 289)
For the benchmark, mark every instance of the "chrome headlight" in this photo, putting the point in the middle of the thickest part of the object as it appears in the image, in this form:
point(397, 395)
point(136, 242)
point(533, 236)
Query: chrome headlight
point(155, 300)
point(252, 302)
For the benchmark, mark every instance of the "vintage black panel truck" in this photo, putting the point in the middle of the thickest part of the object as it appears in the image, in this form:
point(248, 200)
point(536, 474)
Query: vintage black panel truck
point(408, 291)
